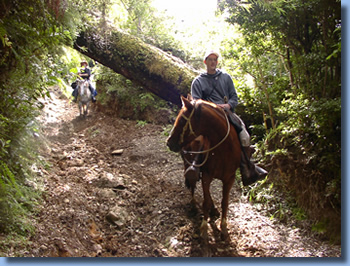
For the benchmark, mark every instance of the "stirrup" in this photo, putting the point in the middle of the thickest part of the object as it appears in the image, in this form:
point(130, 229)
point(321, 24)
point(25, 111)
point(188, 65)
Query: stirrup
point(261, 171)
point(250, 176)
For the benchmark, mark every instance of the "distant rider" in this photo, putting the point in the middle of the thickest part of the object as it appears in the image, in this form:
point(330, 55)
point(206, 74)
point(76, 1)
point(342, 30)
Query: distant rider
point(85, 73)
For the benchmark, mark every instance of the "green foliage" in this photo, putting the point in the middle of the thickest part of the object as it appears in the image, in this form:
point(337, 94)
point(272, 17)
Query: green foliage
point(314, 128)
point(289, 51)
point(143, 21)
point(19, 187)
point(32, 34)
point(269, 200)
point(303, 33)
point(127, 99)
point(141, 123)
point(166, 130)
point(320, 227)
point(285, 60)
point(146, 99)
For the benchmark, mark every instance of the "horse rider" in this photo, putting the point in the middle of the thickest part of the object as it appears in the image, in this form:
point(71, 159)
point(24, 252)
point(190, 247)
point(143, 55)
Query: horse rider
point(85, 73)
point(217, 87)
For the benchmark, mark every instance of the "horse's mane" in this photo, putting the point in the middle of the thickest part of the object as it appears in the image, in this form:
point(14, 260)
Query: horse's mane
point(200, 101)
point(198, 105)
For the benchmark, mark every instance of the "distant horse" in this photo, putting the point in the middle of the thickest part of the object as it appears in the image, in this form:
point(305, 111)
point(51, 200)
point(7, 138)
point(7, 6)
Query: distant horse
point(84, 96)
point(216, 153)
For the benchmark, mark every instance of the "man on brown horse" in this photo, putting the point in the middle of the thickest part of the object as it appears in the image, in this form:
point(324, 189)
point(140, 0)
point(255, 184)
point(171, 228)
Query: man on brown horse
point(217, 87)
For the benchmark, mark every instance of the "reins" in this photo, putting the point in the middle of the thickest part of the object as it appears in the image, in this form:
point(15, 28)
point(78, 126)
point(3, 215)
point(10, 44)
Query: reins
point(188, 124)
point(197, 165)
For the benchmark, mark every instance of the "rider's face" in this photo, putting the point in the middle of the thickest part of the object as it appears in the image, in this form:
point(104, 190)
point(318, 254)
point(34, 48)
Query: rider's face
point(211, 62)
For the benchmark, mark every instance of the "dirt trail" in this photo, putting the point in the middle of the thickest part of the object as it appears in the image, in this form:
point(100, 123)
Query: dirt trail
point(135, 204)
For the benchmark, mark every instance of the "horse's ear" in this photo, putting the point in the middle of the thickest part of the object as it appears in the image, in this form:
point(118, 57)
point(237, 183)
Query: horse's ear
point(198, 107)
point(186, 103)
point(189, 97)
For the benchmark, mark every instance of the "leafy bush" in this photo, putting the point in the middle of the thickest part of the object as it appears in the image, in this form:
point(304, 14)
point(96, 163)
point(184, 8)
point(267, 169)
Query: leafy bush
point(32, 33)
point(120, 96)
point(304, 153)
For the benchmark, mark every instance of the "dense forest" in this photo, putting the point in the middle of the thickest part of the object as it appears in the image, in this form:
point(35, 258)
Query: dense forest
point(284, 57)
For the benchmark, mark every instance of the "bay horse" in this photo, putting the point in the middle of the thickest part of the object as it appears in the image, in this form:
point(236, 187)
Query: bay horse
point(204, 125)
point(84, 97)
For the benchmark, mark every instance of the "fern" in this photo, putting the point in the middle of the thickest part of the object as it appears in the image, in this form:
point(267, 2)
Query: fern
point(7, 180)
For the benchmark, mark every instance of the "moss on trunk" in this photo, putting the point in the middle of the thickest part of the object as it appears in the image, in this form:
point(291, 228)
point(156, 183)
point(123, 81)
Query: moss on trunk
point(155, 70)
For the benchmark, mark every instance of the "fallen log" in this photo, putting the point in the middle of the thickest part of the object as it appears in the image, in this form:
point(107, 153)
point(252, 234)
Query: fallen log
point(144, 64)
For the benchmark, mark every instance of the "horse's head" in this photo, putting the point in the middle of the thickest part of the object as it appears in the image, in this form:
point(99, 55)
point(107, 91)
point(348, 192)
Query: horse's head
point(82, 84)
point(83, 88)
point(183, 132)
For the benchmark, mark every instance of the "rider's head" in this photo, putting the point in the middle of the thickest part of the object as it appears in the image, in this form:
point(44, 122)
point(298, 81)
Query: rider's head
point(209, 53)
point(211, 61)
point(83, 63)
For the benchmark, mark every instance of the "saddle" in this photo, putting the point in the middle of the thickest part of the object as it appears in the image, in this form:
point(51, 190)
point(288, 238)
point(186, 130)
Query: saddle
point(234, 121)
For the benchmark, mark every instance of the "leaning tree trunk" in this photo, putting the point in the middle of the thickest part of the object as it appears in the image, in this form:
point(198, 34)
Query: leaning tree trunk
point(162, 74)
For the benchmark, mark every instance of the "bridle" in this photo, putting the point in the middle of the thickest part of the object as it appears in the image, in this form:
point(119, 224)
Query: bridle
point(82, 85)
point(188, 124)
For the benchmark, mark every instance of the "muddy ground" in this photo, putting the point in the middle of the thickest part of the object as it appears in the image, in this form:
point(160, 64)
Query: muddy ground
point(134, 203)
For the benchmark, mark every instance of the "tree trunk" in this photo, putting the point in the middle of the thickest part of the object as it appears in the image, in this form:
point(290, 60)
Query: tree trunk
point(160, 73)
point(264, 87)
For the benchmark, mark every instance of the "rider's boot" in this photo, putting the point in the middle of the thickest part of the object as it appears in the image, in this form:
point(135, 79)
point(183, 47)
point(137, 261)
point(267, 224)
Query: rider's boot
point(93, 99)
point(75, 95)
point(249, 171)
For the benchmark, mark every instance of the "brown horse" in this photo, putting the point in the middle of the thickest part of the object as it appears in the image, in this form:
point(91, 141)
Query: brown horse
point(205, 126)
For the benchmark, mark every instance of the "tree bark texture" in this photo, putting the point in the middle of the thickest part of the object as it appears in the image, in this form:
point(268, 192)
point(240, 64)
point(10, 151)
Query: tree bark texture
point(146, 65)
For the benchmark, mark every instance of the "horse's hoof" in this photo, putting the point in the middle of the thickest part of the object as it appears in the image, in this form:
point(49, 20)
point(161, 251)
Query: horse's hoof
point(204, 231)
point(206, 252)
point(224, 232)
point(225, 236)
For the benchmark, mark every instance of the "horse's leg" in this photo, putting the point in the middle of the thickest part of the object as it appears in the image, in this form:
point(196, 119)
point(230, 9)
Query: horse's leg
point(227, 185)
point(207, 206)
point(214, 213)
point(191, 171)
point(191, 178)
point(85, 109)
point(80, 108)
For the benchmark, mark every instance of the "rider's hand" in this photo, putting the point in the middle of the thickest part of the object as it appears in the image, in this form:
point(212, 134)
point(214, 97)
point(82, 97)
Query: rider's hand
point(225, 106)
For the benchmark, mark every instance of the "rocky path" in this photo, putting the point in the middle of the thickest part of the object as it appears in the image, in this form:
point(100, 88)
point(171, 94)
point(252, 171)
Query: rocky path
point(133, 203)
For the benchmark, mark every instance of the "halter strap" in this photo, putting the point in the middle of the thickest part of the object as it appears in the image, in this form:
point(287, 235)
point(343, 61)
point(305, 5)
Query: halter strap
point(188, 124)
point(212, 148)
point(193, 163)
